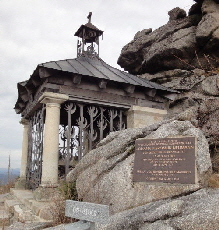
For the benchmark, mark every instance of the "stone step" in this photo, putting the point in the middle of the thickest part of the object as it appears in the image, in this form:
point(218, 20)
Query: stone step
point(23, 215)
point(20, 213)
point(24, 196)
point(9, 205)
point(3, 197)
point(4, 218)
point(19, 209)
point(26, 208)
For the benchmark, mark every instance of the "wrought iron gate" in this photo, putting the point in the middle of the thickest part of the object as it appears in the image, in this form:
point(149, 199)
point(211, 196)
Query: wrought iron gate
point(84, 127)
point(35, 149)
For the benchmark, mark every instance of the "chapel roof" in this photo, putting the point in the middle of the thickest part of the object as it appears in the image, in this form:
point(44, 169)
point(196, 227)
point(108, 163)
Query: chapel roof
point(97, 68)
point(87, 67)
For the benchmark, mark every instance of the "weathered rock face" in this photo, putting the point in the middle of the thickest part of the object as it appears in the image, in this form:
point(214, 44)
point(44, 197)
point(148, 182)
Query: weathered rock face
point(183, 43)
point(199, 211)
point(194, 69)
point(197, 101)
point(177, 13)
point(181, 80)
point(105, 174)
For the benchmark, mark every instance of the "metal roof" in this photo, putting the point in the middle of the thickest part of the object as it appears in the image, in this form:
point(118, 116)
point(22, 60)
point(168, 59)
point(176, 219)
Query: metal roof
point(97, 68)
point(93, 67)
point(88, 25)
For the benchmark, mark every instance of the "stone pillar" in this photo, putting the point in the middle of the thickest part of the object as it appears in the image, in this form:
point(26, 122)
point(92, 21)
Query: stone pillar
point(139, 117)
point(51, 137)
point(25, 123)
point(21, 183)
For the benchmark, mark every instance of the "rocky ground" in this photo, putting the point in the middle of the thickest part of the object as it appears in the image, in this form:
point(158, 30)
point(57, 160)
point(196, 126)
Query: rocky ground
point(198, 211)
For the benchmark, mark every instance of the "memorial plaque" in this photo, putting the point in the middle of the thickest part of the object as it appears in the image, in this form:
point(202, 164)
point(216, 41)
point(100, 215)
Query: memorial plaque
point(87, 211)
point(166, 160)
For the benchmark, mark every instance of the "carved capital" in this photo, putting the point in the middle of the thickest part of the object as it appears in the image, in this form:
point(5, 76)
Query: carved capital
point(57, 98)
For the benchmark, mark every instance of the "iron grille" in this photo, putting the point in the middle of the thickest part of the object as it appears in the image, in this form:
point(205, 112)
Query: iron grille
point(35, 149)
point(83, 127)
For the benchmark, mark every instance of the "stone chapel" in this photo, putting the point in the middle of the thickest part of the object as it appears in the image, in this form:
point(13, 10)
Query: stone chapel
point(68, 106)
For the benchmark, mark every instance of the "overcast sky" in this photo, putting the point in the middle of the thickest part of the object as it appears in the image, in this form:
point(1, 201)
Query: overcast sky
point(37, 31)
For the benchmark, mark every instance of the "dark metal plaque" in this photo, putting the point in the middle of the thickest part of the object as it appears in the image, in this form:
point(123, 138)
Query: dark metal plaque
point(166, 160)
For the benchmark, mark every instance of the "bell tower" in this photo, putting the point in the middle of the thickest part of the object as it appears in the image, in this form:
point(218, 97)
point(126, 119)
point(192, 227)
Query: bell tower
point(88, 39)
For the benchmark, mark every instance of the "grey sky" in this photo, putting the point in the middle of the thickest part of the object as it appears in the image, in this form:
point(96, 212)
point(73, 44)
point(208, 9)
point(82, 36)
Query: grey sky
point(37, 31)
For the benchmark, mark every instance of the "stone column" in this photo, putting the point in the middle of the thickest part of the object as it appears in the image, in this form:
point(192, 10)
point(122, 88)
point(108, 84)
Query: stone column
point(25, 123)
point(139, 117)
point(51, 137)
point(22, 180)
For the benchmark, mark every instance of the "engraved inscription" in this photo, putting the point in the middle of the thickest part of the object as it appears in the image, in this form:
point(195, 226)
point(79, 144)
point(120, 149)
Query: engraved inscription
point(170, 160)
point(87, 211)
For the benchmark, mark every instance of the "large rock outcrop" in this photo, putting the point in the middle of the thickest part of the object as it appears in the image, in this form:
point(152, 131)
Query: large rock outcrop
point(185, 42)
point(104, 175)
point(197, 101)
point(198, 211)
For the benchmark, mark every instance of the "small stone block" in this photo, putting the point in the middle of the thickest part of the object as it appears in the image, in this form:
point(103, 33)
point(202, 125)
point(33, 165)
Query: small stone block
point(87, 211)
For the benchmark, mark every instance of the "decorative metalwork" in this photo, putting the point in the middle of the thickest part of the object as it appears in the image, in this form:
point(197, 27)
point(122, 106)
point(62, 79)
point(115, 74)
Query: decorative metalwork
point(88, 45)
point(87, 125)
point(35, 149)
point(102, 124)
point(90, 51)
